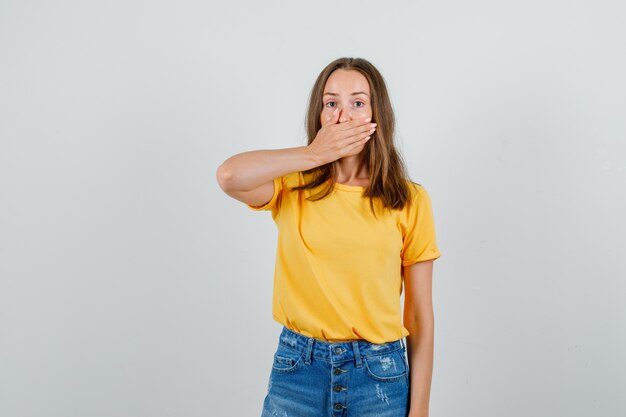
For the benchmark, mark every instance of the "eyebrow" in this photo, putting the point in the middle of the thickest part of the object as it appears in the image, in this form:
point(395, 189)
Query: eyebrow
point(354, 94)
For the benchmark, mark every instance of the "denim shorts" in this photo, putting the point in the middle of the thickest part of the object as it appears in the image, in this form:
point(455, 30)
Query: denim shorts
point(315, 378)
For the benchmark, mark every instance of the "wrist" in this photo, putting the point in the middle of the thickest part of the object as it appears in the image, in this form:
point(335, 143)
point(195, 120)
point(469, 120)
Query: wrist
point(313, 159)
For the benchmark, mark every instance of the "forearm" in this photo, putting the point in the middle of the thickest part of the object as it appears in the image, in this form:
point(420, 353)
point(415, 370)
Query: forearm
point(248, 170)
point(420, 348)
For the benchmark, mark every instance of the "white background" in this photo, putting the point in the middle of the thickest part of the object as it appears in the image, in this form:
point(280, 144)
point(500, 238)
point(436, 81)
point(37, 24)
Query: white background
point(130, 285)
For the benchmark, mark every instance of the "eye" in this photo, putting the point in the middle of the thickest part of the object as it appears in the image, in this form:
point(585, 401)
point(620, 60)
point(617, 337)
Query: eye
point(356, 102)
point(330, 102)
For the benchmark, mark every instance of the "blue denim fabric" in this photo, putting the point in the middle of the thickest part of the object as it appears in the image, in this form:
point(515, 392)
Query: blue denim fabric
point(315, 378)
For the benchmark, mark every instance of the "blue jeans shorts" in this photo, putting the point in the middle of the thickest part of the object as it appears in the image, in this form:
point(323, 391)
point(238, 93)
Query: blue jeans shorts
point(315, 378)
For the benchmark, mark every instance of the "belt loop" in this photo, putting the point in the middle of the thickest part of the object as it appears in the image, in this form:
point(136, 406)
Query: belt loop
point(357, 353)
point(308, 351)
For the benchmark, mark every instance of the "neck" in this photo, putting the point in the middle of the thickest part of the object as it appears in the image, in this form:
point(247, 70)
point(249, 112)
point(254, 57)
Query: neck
point(351, 168)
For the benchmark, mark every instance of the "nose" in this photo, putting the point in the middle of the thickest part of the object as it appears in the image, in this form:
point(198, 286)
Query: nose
point(344, 115)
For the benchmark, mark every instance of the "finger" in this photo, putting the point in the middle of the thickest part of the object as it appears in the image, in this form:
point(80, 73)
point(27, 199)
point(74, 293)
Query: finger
point(358, 146)
point(360, 131)
point(354, 141)
point(355, 123)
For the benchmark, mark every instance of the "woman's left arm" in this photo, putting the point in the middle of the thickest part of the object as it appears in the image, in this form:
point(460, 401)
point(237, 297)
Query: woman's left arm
point(419, 320)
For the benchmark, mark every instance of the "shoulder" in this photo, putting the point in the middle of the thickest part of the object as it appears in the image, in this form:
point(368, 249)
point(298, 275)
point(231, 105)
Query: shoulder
point(418, 191)
point(419, 200)
point(293, 179)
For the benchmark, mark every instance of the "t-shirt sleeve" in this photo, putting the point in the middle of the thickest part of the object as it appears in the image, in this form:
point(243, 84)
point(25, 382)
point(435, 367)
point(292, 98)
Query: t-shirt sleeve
point(419, 241)
point(274, 203)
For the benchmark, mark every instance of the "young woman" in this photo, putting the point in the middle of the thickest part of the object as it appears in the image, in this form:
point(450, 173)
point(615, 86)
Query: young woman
point(352, 228)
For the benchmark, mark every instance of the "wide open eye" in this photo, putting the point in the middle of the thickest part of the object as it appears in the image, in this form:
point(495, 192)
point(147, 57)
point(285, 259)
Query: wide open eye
point(362, 104)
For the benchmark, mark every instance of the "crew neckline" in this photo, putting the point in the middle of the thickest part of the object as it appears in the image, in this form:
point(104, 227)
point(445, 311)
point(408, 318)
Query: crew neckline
point(346, 187)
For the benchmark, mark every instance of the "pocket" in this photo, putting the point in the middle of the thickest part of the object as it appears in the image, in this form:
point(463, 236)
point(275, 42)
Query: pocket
point(387, 367)
point(286, 359)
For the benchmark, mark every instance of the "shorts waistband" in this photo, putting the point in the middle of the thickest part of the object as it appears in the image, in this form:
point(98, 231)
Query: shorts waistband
point(335, 351)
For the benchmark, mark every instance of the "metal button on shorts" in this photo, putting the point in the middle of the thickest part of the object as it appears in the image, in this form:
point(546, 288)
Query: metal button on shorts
point(313, 378)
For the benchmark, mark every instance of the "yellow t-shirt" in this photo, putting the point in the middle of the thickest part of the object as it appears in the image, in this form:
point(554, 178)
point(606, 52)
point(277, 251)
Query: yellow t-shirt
point(338, 273)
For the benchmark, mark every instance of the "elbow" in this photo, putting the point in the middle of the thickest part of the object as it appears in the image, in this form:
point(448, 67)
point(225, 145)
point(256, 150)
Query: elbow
point(419, 319)
point(224, 177)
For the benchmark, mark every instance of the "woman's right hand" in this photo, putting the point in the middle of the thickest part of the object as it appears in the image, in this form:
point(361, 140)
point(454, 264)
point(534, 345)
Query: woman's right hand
point(337, 140)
